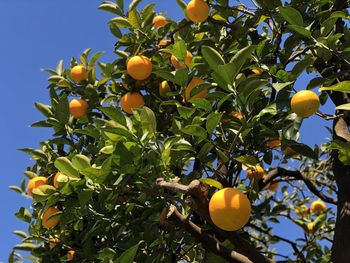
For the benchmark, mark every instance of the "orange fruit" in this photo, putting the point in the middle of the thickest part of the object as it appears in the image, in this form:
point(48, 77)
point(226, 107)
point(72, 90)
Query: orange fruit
point(301, 211)
point(79, 73)
point(164, 88)
point(48, 222)
point(55, 179)
point(159, 21)
point(318, 206)
point(257, 72)
point(70, 255)
point(78, 108)
point(229, 209)
point(178, 65)
point(163, 43)
point(305, 103)
point(310, 227)
point(235, 114)
point(139, 67)
point(131, 100)
point(195, 81)
point(256, 172)
point(273, 143)
point(56, 240)
point(35, 182)
point(197, 11)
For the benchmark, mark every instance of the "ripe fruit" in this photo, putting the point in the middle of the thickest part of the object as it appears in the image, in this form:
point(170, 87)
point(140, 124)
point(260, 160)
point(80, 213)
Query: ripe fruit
point(256, 172)
point(235, 114)
point(48, 222)
point(197, 11)
point(34, 183)
point(305, 103)
point(301, 211)
point(273, 143)
point(131, 100)
point(55, 179)
point(163, 43)
point(139, 67)
point(159, 21)
point(229, 209)
point(178, 65)
point(310, 227)
point(257, 72)
point(78, 108)
point(54, 242)
point(164, 88)
point(195, 81)
point(70, 255)
point(79, 73)
point(318, 206)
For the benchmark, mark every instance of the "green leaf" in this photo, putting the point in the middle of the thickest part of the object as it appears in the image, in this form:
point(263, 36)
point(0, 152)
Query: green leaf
point(195, 130)
point(181, 77)
point(202, 104)
point(133, 4)
point(300, 30)
point(211, 182)
point(343, 86)
point(271, 109)
point(64, 165)
point(212, 56)
point(114, 114)
point(343, 150)
point(292, 15)
point(20, 233)
point(25, 246)
point(44, 109)
point(182, 4)
point(81, 162)
point(343, 107)
point(185, 112)
point(128, 255)
point(247, 160)
point(281, 86)
point(24, 215)
point(240, 59)
point(148, 120)
point(179, 50)
point(121, 22)
point(62, 110)
point(213, 120)
point(111, 7)
point(134, 19)
point(303, 149)
point(99, 175)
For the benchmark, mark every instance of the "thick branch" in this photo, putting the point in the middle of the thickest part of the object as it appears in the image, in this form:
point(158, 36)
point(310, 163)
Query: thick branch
point(274, 173)
point(208, 241)
point(199, 202)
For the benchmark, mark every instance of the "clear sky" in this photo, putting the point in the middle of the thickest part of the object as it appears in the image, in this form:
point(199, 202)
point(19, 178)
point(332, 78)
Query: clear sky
point(37, 34)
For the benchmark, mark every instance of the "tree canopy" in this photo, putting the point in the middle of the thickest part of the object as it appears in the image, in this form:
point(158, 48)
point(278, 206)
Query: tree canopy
point(186, 148)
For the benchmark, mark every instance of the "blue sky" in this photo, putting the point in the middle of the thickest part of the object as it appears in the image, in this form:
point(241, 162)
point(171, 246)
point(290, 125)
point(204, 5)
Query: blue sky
point(35, 35)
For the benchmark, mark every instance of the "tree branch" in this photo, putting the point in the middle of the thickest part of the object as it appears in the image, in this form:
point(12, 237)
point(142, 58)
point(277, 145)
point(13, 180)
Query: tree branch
point(208, 241)
point(276, 172)
point(199, 202)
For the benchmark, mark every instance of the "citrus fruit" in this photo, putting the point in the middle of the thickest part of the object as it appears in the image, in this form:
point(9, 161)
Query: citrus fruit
point(197, 11)
point(305, 103)
point(139, 67)
point(229, 209)
point(318, 206)
point(131, 100)
point(79, 73)
point(195, 81)
point(178, 65)
point(48, 222)
point(159, 21)
point(164, 88)
point(78, 108)
point(35, 182)
point(256, 172)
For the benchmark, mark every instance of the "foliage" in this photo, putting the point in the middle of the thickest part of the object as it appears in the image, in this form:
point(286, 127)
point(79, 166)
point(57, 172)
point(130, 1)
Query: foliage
point(112, 210)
